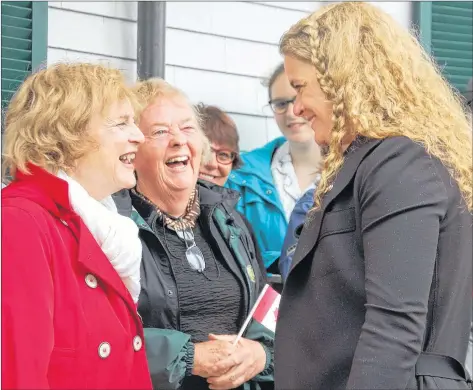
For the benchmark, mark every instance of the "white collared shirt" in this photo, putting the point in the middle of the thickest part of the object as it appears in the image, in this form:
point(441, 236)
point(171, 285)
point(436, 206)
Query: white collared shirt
point(285, 179)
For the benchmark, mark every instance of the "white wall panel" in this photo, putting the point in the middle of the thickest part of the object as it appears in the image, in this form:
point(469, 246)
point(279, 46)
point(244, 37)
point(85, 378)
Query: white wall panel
point(111, 9)
point(216, 52)
point(92, 34)
point(250, 21)
point(128, 67)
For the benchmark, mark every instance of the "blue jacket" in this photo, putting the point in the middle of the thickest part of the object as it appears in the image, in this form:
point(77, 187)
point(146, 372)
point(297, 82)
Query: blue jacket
point(303, 205)
point(259, 201)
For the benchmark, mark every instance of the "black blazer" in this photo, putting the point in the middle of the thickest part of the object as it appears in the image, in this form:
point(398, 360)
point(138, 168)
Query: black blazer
point(381, 273)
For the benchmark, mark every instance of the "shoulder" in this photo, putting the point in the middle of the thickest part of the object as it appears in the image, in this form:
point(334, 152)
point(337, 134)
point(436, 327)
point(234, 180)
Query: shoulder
point(396, 148)
point(400, 173)
point(258, 160)
point(398, 155)
point(18, 209)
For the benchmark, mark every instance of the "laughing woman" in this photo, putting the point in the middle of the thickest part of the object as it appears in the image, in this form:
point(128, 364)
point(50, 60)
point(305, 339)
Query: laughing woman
point(70, 262)
point(200, 272)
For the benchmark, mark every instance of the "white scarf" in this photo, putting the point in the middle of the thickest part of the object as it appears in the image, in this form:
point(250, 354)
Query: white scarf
point(116, 235)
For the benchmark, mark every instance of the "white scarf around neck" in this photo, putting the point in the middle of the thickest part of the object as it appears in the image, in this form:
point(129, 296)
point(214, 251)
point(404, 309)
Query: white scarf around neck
point(116, 235)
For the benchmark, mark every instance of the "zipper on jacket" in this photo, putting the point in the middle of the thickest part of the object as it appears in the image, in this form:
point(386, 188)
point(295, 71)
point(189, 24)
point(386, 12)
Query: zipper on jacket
point(178, 319)
point(239, 266)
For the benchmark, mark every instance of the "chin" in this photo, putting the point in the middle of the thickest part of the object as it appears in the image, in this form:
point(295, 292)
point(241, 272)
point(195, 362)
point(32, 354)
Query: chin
point(220, 181)
point(300, 137)
point(127, 183)
point(321, 142)
point(182, 185)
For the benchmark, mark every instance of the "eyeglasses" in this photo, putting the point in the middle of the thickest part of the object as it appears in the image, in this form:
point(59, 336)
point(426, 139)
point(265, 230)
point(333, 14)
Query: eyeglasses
point(279, 106)
point(223, 156)
point(194, 255)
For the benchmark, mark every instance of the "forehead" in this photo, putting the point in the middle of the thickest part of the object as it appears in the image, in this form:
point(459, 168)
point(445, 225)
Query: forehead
point(173, 110)
point(296, 68)
point(220, 146)
point(119, 108)
point(281, 87)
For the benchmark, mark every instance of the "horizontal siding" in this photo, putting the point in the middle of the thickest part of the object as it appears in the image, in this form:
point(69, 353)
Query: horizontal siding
point(233, 19)
point(108, 37)
point(237, 94)
point(216, 52)
point(211, 58)
point(254, 131)
point(63, 55)
point(305, 6)
point(126, 10)
point(221, 54)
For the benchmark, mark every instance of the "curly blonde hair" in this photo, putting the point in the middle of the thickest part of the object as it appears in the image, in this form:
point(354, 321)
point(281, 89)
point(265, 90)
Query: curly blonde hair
point(46, 122)
point(148, 91)
point(382, 84)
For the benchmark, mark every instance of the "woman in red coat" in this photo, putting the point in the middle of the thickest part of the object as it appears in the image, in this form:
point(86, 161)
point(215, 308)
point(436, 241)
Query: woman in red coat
point(70, 262)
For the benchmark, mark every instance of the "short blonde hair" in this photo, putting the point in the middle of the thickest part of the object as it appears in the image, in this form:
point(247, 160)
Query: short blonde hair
point(148, 91)
point(46, 122)
point(382, 84)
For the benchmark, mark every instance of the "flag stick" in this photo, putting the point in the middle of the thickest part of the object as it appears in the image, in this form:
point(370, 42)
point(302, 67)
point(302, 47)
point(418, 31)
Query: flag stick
point(250, 316)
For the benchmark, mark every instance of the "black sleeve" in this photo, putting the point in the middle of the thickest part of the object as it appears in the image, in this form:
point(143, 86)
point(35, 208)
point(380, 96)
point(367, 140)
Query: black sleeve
point(259, 258)
point(402, 201)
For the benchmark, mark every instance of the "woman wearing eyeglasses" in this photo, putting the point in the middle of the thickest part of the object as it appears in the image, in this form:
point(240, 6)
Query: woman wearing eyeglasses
point(222, 133)
point(274, 177)
point(200, 276)
point(223, 136)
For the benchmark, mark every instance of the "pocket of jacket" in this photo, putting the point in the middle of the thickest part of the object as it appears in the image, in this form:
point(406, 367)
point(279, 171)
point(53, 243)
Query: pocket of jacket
point(336, 246)
point(339, 221)
point(65, 369)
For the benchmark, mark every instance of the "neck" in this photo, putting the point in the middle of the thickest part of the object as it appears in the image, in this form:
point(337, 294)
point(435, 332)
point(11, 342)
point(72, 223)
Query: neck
point(92, 189)
point(305, 155)
point(173, 203)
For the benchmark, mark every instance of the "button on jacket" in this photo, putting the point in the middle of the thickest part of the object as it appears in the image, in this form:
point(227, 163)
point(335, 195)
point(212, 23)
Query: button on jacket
point(68, 321)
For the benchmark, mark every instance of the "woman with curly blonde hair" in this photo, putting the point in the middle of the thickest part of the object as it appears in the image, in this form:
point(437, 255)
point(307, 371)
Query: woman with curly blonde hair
point(384, 261)
point(70, 262)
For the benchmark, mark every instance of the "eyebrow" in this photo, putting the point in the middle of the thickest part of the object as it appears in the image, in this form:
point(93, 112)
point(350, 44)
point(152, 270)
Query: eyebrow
point(190, 119)
point(120, 118)
point(155, 124)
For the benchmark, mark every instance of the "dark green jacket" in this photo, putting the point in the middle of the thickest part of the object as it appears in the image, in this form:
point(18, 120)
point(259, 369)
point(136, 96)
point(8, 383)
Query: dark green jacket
point(170, 352)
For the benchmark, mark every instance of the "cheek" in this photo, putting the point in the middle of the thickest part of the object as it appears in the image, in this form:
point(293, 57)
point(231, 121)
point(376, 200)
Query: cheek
point(148, 157)
point(327, 115)
point(280, 119)
point(224, 170)
point(196, 148)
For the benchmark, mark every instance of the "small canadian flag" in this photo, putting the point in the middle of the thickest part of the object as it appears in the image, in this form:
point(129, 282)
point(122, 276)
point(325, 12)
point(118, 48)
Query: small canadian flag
point(265, 310)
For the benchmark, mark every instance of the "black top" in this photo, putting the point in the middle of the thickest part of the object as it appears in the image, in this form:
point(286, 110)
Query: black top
point(386, 269)
point(170, 351)
point(209, 301)
point(200, 312)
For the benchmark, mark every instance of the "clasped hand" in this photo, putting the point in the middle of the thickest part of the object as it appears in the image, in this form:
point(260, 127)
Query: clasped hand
point(227, 366)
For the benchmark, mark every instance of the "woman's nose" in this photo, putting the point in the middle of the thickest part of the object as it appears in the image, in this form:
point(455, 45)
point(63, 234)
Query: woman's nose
point(212, 162)
point(290, 110)
point(136, 135)
point(298, 108)
point(177, 137)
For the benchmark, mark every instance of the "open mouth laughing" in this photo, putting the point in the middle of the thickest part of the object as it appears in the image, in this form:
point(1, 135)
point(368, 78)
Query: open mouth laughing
point(206, 176)
point(128, 159)
point(178, 163)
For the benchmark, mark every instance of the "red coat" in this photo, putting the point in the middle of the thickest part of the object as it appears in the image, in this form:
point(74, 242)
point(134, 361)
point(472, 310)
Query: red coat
point(68, 321)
